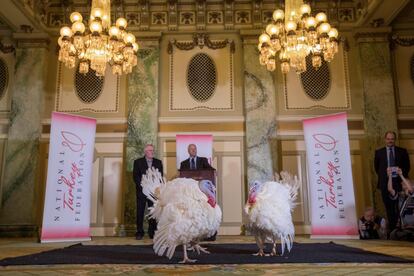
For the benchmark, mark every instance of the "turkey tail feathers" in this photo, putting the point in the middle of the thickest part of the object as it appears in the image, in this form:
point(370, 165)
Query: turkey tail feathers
point(286, 240)
point(293, 185)
point(161, 244)
point(151, 182)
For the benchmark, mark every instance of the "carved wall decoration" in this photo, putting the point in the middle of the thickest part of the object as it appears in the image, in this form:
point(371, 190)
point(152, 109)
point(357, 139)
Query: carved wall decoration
point(159, 18)
point(201, 15)
point(267, 17)
point(257, 14)
point(187, 18)
point(200, 40)
point(143, 8)
point(55, 19)
point(7, 47)
point(228, 14)
point(215, 17)
point(133, 18)
point(243, 17)
point(402, 41)
point(346, 14)
point(171, 14)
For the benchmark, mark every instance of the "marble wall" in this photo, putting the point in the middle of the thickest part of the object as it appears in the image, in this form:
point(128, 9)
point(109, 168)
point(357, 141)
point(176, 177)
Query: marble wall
point(142, 119)
point(18, 188)
point(260, 112)
point(380, 112)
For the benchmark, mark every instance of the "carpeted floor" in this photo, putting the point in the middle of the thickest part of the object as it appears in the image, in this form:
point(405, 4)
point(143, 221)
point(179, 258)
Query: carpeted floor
point(227, 253)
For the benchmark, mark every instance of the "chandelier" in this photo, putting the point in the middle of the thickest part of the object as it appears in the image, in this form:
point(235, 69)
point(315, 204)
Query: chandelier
point(99, 45)
point(295, 34)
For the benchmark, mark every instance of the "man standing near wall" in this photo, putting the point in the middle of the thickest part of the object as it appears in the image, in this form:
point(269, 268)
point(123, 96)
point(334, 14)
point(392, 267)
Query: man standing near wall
point(392, 157)
point(141, 166)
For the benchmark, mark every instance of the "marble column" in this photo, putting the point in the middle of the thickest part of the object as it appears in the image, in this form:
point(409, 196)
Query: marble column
point(260, 104)
point(142, 121)
point(380, 113)
point(18, 188)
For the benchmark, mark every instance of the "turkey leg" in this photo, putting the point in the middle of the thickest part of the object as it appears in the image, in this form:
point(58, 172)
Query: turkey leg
point(260, 244)
point(199, 249)
point(186, 259)
point(274, 249)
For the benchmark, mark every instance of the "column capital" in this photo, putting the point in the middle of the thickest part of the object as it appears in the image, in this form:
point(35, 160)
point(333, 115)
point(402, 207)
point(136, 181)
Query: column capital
point(31, 40)
point(372, 34)
point(7, 47)
point(250, 37)
point(148, 39)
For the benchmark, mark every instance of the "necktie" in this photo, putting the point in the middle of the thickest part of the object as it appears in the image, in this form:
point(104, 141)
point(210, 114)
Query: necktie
point(392, 158)
point(192, 165)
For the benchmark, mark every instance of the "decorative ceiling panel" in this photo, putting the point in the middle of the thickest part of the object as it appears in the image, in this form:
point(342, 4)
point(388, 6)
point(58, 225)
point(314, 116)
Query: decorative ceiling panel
point(196, 14)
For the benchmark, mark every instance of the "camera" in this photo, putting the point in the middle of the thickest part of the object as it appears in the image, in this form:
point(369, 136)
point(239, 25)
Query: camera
point(369, 225)
point(394, 172)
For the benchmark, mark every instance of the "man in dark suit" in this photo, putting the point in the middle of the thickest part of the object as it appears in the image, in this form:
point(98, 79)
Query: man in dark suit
point(194, 162)
point(393, 157)
point(141, 166)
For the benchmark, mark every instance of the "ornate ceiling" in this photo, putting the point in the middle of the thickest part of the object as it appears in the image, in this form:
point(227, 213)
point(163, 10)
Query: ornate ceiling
point(46, 16)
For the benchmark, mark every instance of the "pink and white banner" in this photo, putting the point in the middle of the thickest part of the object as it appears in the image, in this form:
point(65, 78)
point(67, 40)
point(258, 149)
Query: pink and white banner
point(330, 177)
point(203, 142)
point(66, 215)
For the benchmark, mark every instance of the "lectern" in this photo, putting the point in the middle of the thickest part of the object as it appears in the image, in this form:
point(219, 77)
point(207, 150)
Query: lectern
point(208, 174)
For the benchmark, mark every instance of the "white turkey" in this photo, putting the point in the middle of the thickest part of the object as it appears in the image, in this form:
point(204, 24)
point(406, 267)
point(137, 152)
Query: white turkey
point(269, 209)
point(186, 212)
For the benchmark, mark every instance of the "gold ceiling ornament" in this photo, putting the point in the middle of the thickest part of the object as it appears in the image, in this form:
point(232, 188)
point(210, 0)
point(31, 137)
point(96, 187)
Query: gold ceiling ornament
point(99, 45)
point(293, 35)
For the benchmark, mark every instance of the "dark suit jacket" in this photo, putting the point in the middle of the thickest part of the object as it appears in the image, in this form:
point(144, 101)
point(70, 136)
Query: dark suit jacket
point(402, 160)
point(201, 163)
point(141, 167)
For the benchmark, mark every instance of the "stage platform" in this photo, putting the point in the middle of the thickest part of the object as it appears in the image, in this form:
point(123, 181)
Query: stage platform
point(24, 246)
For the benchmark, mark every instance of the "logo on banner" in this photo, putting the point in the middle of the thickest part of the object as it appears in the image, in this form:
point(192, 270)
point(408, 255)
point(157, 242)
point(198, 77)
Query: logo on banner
point(72, 181)
point(328, 174)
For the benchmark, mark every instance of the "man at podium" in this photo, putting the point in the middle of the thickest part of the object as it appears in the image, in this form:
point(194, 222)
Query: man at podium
point(194, 162)
point(198, 168)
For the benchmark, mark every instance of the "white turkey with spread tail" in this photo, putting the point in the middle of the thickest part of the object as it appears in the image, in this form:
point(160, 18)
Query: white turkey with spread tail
point(269, 209)
point(186, 212)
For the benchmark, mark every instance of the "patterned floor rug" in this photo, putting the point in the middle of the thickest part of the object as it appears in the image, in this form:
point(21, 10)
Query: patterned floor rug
point(225, 253)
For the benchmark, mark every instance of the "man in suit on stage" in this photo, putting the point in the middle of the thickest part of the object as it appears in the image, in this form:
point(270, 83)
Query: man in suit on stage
point(194, 162)
point(393, 157)
point(140, 168)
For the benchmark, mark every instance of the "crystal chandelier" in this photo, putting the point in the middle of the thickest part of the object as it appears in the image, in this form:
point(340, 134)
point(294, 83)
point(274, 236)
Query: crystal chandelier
point(99, 45)
point(295, 34)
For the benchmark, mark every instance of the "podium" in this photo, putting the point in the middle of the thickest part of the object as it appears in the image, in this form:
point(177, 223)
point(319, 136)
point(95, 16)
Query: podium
point(207, 174)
